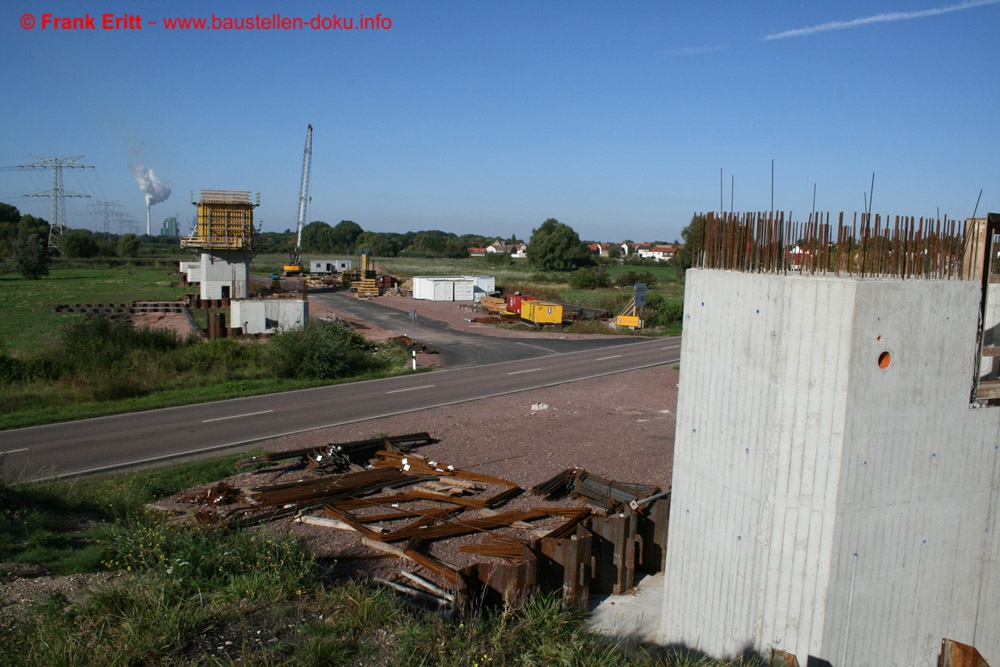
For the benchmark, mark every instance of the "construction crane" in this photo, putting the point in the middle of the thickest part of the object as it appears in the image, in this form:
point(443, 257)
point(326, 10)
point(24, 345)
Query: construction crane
point(294, 267)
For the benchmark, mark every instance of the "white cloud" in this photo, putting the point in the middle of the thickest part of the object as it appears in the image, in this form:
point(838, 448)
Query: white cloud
point(879, 18)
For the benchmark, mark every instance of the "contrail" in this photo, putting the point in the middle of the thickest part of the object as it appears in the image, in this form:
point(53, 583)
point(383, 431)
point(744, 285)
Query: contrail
point(879, 18)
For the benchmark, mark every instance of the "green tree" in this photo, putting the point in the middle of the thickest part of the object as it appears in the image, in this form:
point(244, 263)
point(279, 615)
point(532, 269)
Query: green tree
point(692, 235)
point(344, 235)
point(380, 244)
point(128, 246)
point(78, 243)
point(615, 251)
point(9, 213)
point(431, 242)
point(30, 257)
point(317, 237)
point(554, 246)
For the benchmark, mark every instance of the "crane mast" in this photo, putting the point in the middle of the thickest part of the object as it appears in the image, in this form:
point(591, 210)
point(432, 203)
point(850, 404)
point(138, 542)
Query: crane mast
point(295, 266)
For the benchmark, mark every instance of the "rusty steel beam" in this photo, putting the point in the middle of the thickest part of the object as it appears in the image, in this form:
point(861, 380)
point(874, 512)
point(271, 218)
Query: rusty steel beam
point(956, 654)
point(781, 658)
point(355, 447)
point(494, 583)
point(569, 560)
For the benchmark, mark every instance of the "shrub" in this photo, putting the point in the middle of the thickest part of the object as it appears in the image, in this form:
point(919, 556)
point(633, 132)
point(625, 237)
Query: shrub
point(31, 257)
point(497, 259)
point(587, 278)
point(663, 312)
point(630, 278)
point(322, 350)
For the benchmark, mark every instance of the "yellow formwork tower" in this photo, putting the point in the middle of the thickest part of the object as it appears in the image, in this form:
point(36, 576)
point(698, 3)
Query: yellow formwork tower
point(225, 221)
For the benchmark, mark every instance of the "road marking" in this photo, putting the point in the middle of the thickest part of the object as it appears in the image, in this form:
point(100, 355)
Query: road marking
point(15, 451)
point(606, 358)
point(530, 370)
point(249, 414)
point(396, 391)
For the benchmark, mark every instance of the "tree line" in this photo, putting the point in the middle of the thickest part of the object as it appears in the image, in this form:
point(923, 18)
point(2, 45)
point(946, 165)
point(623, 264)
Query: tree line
point(553, 246)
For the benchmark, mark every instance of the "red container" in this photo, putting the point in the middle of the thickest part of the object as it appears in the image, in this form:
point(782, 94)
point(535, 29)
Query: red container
point(514, 302)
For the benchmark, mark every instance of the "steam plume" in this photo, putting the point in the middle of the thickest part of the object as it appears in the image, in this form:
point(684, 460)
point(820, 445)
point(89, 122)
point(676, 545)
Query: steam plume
point(156, 191)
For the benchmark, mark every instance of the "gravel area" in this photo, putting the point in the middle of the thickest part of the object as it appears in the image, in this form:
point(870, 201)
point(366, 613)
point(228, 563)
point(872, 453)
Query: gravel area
point(619, 426)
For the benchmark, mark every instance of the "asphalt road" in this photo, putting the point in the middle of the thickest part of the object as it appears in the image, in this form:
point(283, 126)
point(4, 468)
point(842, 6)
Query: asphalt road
point(459, 349)
point(107, 443)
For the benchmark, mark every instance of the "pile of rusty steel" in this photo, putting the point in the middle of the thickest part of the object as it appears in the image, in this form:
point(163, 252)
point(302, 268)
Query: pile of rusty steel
point(440, 518)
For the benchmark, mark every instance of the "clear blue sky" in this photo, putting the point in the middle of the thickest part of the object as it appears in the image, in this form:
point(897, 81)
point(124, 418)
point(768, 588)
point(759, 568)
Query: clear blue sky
point(489, 117)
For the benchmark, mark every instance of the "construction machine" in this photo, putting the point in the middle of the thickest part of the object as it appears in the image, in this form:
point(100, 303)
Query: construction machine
point(294, 266)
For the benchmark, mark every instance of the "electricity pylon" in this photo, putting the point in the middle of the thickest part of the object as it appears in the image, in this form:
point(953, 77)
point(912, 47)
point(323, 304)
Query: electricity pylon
point(57, 194)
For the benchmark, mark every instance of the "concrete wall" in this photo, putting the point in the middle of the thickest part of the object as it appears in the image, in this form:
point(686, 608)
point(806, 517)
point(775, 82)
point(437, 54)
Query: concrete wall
point(225, 272)
point(823, 504)
point(269, 316)
point(191, 271)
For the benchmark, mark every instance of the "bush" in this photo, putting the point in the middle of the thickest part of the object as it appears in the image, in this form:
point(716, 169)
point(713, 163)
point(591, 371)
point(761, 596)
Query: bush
point(630, 278)
point(587, 278)
point(497, 259)
point(30, 257)
point(662, 312)
point(101, 343)
point(27, 370)
point(321, 350)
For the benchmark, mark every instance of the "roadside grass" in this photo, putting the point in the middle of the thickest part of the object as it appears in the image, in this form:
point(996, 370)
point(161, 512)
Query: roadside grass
point(98, 366)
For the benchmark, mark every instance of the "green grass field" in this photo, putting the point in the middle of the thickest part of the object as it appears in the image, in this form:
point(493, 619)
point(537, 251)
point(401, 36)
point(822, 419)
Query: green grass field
point(28, 321)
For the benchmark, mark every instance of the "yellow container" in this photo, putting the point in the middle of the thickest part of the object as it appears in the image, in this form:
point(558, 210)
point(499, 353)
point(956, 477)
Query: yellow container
point(541, 312)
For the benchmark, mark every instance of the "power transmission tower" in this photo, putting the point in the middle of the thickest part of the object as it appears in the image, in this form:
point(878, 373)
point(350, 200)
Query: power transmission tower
point(111, 210)
point(127, 224)
point(57, 194)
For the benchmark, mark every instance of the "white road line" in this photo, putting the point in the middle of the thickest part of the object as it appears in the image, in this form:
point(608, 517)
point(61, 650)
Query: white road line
point(15, 451)
point(396, 391)
point(606, 358)
point(530, 370)
point(249, 414)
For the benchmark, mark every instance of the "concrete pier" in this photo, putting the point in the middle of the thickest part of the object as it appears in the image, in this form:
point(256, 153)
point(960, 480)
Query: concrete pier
point(835, 491)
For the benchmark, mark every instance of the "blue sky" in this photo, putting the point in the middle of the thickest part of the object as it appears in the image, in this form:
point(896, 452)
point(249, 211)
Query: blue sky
point(489, 117)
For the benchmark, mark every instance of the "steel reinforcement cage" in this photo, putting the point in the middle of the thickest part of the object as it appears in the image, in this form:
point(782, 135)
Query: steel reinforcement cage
point(869, 247)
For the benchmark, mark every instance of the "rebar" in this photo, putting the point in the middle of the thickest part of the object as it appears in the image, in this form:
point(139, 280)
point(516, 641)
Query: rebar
point(905, 248)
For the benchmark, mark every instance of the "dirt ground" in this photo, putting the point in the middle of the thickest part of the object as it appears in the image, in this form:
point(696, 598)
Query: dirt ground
point(618, 426)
